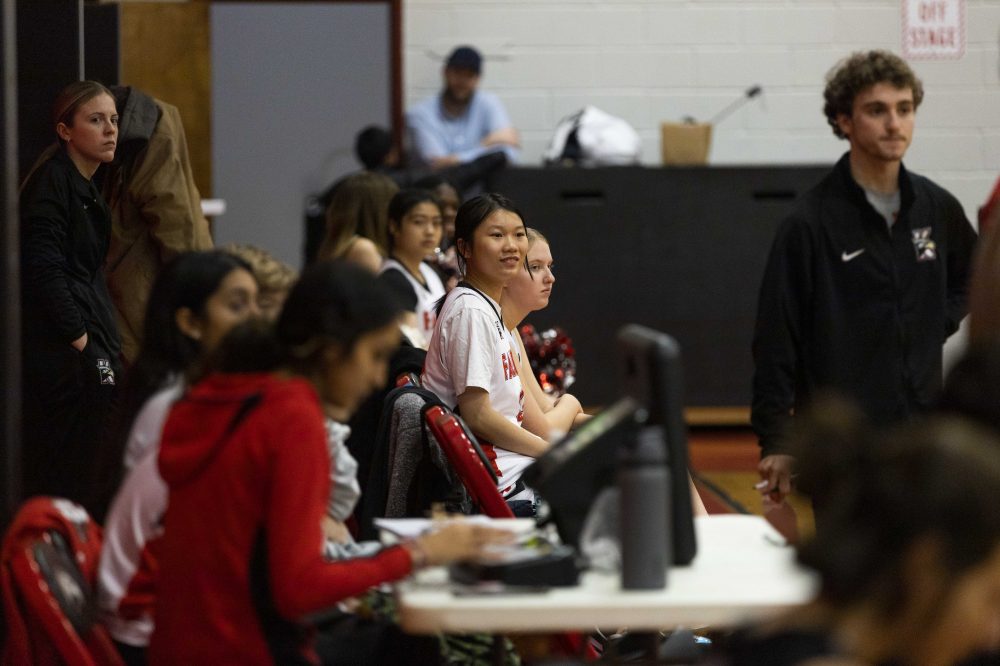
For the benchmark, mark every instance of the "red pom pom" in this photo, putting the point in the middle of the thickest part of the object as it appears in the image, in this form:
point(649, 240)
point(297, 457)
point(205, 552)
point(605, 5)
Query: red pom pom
point(552, 358)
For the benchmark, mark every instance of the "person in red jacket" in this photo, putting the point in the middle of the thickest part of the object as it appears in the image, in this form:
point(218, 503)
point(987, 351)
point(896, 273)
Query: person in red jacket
point(244, 456)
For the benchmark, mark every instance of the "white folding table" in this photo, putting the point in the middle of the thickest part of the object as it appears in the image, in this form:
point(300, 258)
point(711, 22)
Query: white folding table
point(743, 572)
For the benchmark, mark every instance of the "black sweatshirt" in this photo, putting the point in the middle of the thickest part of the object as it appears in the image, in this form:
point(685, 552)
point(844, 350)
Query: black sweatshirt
point(849, 304)
point(65, 231)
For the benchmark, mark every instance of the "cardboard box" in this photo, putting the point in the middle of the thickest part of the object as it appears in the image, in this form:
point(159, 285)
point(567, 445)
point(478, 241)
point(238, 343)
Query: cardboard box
point(685, 143)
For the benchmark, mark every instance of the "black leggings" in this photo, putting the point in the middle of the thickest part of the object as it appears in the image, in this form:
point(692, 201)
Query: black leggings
point(68, 402)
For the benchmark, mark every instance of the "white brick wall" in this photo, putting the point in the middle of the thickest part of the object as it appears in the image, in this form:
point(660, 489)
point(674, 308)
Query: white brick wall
point(654, 60)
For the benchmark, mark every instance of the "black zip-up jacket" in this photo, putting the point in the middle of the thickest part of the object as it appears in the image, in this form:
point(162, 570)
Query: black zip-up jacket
point(849, 304)
point(65, 231)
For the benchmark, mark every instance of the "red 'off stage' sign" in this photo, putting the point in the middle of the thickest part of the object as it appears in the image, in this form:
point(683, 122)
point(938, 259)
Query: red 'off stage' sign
point(933, 29)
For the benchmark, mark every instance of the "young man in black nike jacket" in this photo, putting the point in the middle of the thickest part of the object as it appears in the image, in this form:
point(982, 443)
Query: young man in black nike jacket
point(867, 277)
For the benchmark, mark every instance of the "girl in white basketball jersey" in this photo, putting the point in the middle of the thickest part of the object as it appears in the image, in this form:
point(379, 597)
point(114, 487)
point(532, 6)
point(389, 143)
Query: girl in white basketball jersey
point(414, 234)
point(527, 292)
point(471, 363)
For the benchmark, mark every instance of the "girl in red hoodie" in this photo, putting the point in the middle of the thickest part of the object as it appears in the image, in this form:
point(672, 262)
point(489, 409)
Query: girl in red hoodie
point(244, 455)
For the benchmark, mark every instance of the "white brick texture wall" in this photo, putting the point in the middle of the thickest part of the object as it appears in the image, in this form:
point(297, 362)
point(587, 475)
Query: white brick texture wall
point(650, 61)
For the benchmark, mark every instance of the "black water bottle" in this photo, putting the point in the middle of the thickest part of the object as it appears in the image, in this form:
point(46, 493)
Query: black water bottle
point(643, 484)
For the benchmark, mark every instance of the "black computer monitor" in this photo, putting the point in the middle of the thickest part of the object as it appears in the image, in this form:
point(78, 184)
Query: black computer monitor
point(573, 472)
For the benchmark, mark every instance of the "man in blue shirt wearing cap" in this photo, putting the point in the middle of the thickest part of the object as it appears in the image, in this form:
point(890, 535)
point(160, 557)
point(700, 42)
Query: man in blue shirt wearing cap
point(461, 123)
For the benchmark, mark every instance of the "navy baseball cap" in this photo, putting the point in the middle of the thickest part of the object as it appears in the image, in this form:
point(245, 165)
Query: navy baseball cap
point(465, 57)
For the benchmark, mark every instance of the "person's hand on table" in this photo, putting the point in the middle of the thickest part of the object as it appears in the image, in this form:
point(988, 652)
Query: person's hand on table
point(456, 541)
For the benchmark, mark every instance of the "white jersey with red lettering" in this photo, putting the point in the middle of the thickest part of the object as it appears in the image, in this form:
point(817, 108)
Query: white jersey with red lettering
point(471, 347)
point(427, 296)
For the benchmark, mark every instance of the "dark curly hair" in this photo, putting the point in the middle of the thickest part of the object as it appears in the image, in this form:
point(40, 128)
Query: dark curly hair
point(860, 71)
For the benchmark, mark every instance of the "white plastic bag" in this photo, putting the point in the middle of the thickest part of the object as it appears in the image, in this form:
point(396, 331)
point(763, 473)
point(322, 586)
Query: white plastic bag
point(592, 137)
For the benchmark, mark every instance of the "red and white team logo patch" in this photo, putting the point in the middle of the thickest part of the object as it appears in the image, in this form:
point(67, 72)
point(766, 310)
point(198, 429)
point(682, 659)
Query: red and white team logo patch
point(923, 244)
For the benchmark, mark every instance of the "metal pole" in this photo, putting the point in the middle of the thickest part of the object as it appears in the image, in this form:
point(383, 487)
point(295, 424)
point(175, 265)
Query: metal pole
point(10, 282)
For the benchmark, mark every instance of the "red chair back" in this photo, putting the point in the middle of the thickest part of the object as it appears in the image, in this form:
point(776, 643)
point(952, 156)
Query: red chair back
point(50, 555)
point(468, 460)
point(407, 379)
point(472, 466)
